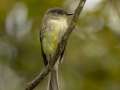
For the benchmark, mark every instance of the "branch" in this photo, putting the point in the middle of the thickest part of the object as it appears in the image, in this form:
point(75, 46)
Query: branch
point(115, 7)
point(74, 19)
point(61, 45)
point(31, 85)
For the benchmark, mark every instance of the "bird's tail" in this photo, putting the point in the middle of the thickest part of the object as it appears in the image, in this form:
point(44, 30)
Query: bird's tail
point(53, 79)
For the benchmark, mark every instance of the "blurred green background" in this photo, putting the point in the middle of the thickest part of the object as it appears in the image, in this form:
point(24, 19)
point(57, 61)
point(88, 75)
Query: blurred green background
point(92, 56)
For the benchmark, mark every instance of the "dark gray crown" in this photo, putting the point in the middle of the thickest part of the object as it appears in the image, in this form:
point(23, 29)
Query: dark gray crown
point(58, 11)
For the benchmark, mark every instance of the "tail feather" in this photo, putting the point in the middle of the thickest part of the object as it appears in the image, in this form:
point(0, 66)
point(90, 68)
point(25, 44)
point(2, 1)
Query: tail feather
point(53, 82)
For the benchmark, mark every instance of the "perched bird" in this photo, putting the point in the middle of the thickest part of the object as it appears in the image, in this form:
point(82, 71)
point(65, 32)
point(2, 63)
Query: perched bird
point(54, 25)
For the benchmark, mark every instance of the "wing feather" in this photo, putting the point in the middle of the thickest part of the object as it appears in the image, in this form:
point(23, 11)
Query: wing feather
point(42, 51)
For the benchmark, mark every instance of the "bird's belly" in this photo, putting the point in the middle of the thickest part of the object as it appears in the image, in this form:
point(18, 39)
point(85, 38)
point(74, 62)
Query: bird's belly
point(53, 35)
point(50, 43)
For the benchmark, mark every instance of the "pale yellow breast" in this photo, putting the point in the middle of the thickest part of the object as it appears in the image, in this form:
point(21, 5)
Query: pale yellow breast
point(52, 37)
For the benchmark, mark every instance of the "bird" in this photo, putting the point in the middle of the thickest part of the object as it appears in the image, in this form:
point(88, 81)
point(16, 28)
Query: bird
point(54, 25)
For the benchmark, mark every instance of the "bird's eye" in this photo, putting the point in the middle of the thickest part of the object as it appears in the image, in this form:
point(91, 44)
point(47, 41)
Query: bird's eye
point(60, 12)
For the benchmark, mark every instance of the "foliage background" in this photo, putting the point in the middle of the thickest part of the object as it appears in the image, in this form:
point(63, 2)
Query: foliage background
point(92, 57)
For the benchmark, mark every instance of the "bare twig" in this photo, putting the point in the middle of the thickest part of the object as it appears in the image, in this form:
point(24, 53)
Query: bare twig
point(61, 46)
point(115, 7)
point(31, 85)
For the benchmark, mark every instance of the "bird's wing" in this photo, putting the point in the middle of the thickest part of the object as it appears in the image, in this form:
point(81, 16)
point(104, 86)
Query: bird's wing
point(62, 50)
point(62, 53)
point(43, 54)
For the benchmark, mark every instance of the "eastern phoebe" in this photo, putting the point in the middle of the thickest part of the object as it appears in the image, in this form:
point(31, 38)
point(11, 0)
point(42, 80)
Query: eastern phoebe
point(54, 25)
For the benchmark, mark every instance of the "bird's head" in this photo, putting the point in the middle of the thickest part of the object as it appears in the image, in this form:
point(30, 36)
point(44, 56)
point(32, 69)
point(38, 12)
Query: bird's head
point(58, 13)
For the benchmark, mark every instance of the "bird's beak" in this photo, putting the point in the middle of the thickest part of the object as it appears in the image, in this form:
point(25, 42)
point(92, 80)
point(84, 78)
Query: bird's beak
point(69, 14)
